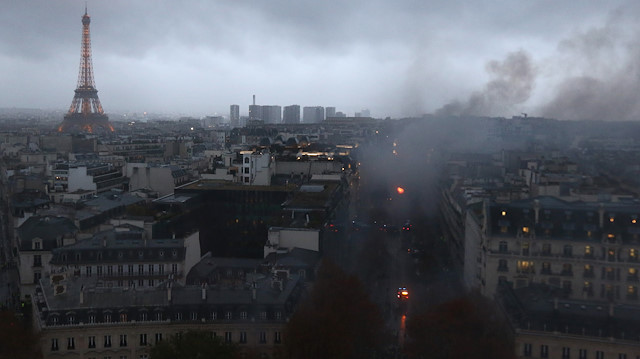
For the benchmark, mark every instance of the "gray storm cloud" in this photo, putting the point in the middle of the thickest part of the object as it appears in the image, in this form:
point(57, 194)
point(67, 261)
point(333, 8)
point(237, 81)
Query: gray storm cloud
point(511, 84)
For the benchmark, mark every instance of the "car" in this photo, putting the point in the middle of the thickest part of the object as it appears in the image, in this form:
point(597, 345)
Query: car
point(403, 293)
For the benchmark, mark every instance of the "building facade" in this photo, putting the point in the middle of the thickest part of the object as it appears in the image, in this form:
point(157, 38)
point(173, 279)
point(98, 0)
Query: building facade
point(291, 114)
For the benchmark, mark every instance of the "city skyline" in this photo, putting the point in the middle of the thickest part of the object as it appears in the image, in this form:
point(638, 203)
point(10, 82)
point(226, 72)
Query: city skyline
point(567, 60)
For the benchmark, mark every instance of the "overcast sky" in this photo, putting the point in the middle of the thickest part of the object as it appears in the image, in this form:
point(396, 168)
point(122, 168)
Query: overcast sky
point(564, 59)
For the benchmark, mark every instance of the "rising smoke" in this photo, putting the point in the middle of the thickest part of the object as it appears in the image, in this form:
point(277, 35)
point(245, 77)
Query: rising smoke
point(511, 84)
point(594, 75)
point(605, 84)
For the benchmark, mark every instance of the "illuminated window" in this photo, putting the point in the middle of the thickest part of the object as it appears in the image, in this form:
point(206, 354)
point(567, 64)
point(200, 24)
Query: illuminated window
point(525, 266)
point(632, 290)
point(633, 254)
point(525, 230)
point(633, 271)
point(611, 236)
point(504, 213)
point(525, 248)
point(612, 219)
point(588, 251)
point(634, 221)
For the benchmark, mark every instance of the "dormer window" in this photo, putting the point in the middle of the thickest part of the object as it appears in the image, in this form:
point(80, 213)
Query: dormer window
point(37, 244)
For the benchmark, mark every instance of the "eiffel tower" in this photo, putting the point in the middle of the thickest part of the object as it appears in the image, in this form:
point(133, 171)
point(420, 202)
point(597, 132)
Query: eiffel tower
point(86, 114)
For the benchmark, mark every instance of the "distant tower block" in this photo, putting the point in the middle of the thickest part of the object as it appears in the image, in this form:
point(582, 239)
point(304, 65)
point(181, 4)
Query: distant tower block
point(86, 113)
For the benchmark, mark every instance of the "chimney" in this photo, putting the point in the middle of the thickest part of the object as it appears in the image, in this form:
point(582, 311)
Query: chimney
point(254, 99)
point(82, 294)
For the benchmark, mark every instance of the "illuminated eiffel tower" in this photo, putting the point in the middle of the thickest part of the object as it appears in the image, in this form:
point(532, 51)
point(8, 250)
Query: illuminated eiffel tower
point(86, 113)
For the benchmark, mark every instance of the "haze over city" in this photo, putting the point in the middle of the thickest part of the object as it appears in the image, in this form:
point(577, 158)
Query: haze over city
point(566, 60)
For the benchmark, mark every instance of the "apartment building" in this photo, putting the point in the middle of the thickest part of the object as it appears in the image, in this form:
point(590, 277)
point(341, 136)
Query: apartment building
point(589, 250)
point(78, 318)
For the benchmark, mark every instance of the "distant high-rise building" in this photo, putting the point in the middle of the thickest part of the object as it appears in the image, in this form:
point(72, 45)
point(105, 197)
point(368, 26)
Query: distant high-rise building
point(234, 116)
point(365, 113)
point(271, 114)
point(313, 114)
point(255, 111)
point(291, 114)
point(330, 112)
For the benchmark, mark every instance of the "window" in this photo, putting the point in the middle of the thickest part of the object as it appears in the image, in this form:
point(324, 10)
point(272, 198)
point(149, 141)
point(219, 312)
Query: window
point(107, 341)
point(246, 170)
point(109, 270)
point(214, 315)
point(92, 341)
point(246, 160)
point(566, 353)
point(130, 269)
point(276, 338)
point(123, 317)
point(278, 315)
point(37, 260)
point(546, 249)
point(546, 268)
point(178, 316)
point(599, 354)
point(36, 245)
point(582, 353)
point(503, 247)
point(588, 271)
point(151, 269)
point(526, 350)
point(120, 270)
point(622, 356)
point(99, 271)
point(140, 269)
point(502, 265)
point(243, 337)
point(588, 251)
point(194, 315)
point(544, 351)
point(107, 318)
point(36, 277)
point(227, 337)
point(159, 316)
point(243, 315)
point(567, 269)
point(228, 315)
point(161, 269)
point(263, 337)
point(143, 339)
point(525, 267)
point(158, 337)
point(143, 316)
point(140, 282)
point(123, 340)
point(633, 254)
point(632, 292)
point(71, 343)
point(92, 318)
point(567, 250)
point(525, 248)
point(174, 268)
point(263, 315)
point(54, 344)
